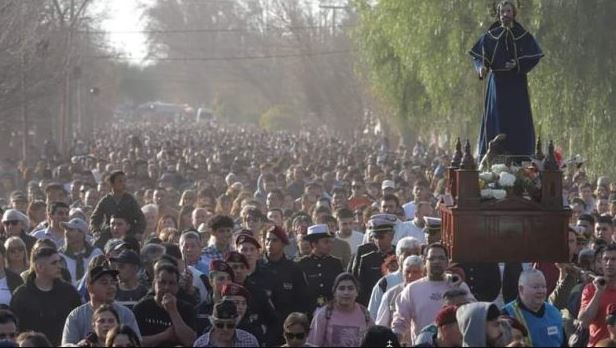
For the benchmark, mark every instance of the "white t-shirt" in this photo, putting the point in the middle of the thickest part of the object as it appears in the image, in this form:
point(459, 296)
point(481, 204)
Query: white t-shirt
point(419, 303)
point(409, 210)
point(5, 293)
point(411, 230)
point(354, 240)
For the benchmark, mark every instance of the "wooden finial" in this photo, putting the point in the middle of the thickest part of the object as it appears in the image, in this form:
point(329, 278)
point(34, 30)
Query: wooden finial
point(550, 161)
point(538, 150)
point(468, 162)
point(457, 156)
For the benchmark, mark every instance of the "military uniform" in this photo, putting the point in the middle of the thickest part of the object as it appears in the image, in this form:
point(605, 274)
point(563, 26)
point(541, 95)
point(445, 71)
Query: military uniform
point(366, 265)
point(369, 272)
point(289, 286)
point(320, 273)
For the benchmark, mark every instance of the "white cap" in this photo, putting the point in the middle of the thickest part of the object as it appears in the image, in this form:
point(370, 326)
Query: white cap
point(317, 231)
point(16, 215)
point(388, 184)
point(76, 224)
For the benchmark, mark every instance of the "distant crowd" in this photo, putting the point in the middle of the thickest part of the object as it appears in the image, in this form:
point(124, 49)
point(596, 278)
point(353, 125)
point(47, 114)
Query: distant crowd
point(212, 235)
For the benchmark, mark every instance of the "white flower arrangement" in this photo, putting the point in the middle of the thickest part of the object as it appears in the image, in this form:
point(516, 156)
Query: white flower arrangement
point(499, 194)
point(493, 194)
point(499, 168)
point(488, 177)
point(506, 179)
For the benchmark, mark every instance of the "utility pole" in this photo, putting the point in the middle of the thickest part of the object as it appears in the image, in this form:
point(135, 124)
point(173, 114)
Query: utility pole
point(24, 92)
point(68, 26)
point(334, 9)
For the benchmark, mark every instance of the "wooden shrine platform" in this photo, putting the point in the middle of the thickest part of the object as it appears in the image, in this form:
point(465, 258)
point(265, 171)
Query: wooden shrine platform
point(514, 229)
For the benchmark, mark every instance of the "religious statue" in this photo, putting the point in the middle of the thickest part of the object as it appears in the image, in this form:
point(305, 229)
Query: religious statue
point(504, 55)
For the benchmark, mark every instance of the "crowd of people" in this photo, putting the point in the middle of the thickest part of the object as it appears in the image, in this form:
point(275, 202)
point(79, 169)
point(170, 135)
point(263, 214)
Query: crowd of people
point(214, 235)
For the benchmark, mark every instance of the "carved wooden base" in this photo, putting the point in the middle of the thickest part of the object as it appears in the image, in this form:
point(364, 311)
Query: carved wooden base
point(510, 230)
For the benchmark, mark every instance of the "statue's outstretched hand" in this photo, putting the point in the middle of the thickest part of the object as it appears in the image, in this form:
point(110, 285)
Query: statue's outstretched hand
point(483, 71)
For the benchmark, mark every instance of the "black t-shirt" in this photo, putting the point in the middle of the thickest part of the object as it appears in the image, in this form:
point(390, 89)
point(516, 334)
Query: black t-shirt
point(129, 298)
point(153, 319)
point(44, 311)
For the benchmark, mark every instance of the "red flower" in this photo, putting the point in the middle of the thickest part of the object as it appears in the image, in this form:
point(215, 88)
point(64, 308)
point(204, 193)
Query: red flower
point(558, 154)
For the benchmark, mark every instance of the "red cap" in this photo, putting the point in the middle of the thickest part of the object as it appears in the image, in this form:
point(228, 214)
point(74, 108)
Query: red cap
point(246, 238)
point(447, 315)
point(233, 289)
point(457, 270)
point(221, 266)
point(280, 234)
point(234, 256)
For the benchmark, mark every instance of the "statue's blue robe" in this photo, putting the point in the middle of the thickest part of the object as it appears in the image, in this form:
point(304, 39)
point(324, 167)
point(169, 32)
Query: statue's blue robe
point(507, 103)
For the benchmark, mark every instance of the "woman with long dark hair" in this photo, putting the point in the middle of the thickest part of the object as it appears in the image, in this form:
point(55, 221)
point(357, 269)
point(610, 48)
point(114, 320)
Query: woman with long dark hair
point(343, 321)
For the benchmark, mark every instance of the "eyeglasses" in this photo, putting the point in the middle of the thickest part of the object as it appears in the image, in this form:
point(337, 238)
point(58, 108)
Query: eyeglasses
point(228, 325)
point(295, 336)
point(10, 222)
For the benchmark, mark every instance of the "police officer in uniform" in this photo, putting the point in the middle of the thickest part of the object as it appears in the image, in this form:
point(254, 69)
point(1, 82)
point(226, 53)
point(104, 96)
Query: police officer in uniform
point(367, 263)
point(320, 268)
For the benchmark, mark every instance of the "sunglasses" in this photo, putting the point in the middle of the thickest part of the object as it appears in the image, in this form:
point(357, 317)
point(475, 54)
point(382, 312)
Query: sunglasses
point(228, 325)
point(10, 222)
point(11, 335)
point(295, 336)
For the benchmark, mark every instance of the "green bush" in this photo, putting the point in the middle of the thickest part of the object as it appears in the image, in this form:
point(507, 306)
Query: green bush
point(280, 117)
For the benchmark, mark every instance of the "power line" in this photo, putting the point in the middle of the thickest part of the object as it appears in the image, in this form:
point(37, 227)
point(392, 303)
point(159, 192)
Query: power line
point(207, 30)
point(230, 58)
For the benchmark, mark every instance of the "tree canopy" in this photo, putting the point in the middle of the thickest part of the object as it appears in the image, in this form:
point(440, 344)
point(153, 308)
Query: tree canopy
point(415, 55)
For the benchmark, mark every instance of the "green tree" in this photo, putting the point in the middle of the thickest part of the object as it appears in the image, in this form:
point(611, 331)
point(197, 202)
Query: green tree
point(279, 117)
point(415, 55)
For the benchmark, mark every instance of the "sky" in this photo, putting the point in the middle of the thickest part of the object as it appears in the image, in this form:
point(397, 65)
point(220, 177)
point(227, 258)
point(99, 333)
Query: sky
point(123, 20)
point(124, 16)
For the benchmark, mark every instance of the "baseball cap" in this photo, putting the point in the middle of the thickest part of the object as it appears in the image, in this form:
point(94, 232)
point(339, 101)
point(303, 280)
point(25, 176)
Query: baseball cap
point(76, 224)
point(112, 245)
point(388, 184)
point(127, 256)
point(97, 272)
